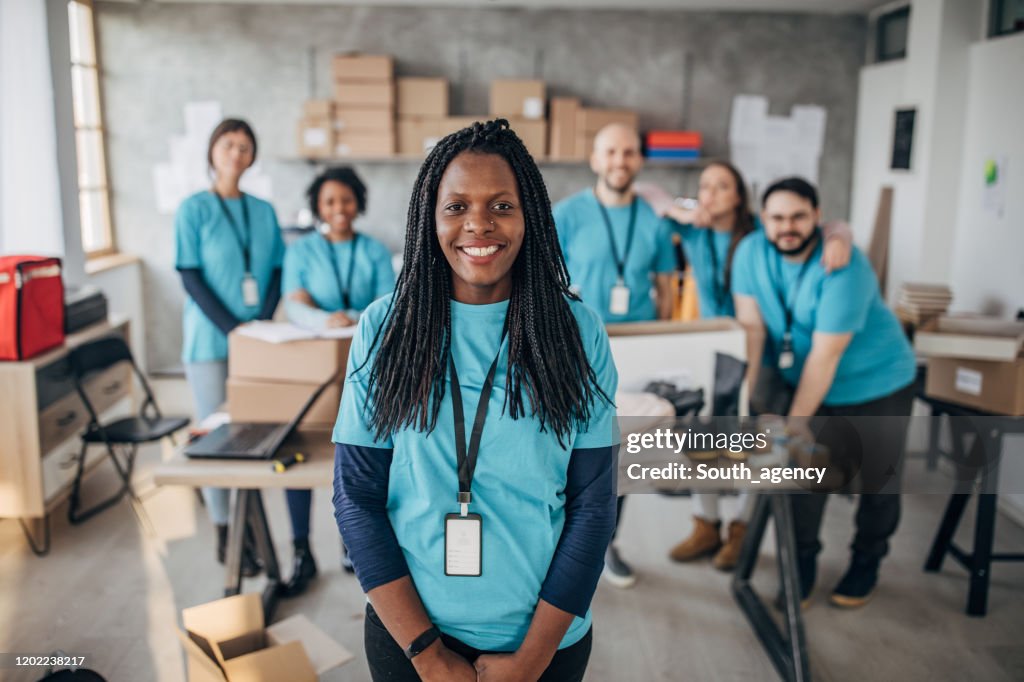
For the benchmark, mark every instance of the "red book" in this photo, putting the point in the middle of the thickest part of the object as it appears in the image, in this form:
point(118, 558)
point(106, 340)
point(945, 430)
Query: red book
point(675, 139)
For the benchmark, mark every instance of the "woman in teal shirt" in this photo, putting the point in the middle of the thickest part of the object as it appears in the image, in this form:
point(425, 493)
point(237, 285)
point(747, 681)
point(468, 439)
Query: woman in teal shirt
point(228, 253)
point(711, 233)
point(474, 468)
point(330, 277)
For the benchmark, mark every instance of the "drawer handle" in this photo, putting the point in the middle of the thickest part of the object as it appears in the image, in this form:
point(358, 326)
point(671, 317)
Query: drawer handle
point(69, 418)
point(112, 388)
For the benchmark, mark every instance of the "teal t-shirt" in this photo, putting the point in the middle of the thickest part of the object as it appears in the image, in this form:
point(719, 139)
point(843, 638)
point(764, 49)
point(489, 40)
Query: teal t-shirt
point(363, 261)
point(877, 362)
point(589, 255)
point(205, 239)
point(707, 252)
point(518, 485)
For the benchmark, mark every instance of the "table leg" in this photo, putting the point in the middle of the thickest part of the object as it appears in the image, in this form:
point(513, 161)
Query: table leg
point(985, 526)
point(943, 538)
point(236, 540)
point(265, 548)
point(785, 540)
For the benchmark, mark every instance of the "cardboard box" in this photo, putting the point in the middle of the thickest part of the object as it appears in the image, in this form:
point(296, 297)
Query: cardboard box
point(367, 94)
point(975, 361)
point(365, 119)
point(417, 135)
point(562, 125)
point(423, 97)
point(452, 124)
point(519, 98)
point(590, 121)
point(227, 640)
point(996, 387)
point(363, 143)
point(534, 135)
point(318, 108)
point(279, 401)
point(308, 360)
point(315, 138)
point(360, 67)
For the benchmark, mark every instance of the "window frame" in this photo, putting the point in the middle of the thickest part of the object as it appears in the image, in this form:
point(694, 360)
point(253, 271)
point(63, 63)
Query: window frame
point(101, 190)
point(880, 25)
point(996, 8)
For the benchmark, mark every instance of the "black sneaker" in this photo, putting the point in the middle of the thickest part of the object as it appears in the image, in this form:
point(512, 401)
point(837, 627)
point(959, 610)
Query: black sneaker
point(616, 571)
point(857, 586)
point(807, 568)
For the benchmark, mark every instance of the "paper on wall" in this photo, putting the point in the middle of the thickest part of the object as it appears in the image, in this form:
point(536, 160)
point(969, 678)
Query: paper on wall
point(993, 197)
point(810, 126)
point(167, 187)
point(746, 125)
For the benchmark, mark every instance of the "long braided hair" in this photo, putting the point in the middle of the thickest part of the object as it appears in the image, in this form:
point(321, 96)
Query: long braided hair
point(547, 361)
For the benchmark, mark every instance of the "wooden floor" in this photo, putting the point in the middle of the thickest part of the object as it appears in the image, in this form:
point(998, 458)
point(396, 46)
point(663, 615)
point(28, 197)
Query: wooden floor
point(112, 593)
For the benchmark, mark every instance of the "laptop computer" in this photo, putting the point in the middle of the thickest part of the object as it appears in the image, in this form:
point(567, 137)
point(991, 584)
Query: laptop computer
point(242, 440)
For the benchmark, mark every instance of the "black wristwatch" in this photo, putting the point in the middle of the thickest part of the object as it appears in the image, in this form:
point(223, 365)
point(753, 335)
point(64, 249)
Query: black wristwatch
point(422, 642)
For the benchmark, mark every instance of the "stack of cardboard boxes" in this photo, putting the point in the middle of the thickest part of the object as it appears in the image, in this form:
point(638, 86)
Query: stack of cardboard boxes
point(364, 97)
point(316, 129)
point(573, 127)
point(523, 103)
point(422, 114)
point(270, 382)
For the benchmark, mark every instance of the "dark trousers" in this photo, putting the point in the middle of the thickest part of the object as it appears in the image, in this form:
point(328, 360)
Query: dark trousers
point(299, 503)
point(619, 504)
point(388, 663)
point(869, 448)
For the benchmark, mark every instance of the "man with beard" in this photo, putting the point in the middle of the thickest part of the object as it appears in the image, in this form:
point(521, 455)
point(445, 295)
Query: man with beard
point(615, 248)
point(846, 359)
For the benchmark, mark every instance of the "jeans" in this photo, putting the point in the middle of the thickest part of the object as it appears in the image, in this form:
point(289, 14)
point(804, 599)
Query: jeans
point(875, 449)
point(208, 382)
point(387, 661)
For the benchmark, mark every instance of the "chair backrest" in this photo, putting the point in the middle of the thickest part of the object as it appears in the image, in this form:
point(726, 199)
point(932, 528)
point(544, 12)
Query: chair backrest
point(98, 355)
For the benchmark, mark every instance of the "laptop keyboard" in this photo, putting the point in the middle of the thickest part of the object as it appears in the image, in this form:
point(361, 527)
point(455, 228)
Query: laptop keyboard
point(248, 437)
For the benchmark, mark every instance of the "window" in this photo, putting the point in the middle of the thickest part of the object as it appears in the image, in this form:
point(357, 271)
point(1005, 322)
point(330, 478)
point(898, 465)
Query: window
point(1007, 17)
point(93, 192)
point(891, 35)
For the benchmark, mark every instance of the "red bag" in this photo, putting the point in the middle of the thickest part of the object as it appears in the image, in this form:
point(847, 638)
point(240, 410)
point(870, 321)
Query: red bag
point(31, 306)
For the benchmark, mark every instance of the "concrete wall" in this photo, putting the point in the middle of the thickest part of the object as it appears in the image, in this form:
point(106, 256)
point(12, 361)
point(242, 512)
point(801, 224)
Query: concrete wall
point(262, 61)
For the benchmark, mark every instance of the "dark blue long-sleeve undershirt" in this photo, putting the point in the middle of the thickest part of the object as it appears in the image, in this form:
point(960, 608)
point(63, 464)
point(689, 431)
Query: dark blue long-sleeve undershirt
point(360, 509)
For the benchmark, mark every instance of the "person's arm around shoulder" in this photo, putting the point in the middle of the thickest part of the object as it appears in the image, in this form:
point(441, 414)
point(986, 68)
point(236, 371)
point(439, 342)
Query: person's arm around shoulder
point(835, 254)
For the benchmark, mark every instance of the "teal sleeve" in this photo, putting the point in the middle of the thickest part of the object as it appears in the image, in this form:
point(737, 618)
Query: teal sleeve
point(664, 259)
point(353, 425)
point(291, 277)
point(186, 238)
point(743, 269)
point(845, 300)
point(305, 316)
point(602, 430)
point(561, 217)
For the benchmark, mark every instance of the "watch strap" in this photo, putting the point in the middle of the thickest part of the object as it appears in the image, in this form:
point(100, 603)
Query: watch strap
point(422, 642)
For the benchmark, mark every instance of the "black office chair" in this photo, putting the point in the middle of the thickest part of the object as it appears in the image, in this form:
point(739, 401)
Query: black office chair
point(127, 433)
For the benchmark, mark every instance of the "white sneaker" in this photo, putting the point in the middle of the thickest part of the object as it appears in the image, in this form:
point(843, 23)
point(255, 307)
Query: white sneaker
point(616, 571)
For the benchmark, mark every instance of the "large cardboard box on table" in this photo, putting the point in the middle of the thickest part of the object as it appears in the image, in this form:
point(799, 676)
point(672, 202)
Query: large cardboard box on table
point(976, 362)
point(227, 641)
point(276, 402)
point(517, 97)
point(423, 97)
point(303, 361)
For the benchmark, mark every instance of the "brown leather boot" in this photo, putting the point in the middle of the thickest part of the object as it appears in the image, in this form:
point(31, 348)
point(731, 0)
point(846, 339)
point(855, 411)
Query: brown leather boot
point(726, 558)
point(705, 539)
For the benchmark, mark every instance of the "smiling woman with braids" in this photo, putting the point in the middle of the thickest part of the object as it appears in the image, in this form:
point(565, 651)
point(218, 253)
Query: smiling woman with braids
point(478, 534)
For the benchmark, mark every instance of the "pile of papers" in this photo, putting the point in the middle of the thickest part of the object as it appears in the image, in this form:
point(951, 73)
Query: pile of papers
point(919, 303)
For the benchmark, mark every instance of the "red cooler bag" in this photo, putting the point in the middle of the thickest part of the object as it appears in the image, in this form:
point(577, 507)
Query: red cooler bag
point(31, 306)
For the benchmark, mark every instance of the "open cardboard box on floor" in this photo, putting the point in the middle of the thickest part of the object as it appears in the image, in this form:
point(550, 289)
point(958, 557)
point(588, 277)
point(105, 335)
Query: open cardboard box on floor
point(226, 640)
point(975, 361)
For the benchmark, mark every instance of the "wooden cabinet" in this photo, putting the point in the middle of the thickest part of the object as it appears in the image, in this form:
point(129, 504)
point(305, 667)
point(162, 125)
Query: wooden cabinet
point(42, 418)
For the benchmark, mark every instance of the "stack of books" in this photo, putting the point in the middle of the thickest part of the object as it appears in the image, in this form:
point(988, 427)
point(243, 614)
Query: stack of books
point(673, 145)
point(920, 303)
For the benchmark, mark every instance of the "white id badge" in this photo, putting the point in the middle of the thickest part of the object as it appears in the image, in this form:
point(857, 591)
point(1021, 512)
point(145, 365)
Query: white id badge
point(619, 304)
point(463, 537)
point(250, 291)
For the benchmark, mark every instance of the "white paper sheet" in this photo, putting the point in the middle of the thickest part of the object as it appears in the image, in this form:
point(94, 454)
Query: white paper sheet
point(283, 332)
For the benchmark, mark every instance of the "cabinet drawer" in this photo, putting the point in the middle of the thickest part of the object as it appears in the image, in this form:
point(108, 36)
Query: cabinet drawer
point(54, 381)
point(68, 416)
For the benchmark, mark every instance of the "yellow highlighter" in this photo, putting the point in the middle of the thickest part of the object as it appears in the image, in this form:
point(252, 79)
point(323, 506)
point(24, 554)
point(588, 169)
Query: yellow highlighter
point(281, 464)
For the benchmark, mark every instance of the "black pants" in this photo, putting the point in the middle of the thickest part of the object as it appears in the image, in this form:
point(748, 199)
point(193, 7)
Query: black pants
point(619, 504)
point(870, 451)
point(388, 663)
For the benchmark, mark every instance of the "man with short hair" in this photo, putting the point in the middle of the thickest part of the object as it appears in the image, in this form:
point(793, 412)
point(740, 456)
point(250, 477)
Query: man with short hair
point(619, 255)
point(844, 355)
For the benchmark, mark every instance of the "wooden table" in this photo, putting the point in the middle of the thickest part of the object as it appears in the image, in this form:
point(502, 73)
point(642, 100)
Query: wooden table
point(250, 478)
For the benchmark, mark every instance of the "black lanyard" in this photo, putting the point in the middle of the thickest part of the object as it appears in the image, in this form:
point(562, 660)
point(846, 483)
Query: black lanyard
point(244, 239)
point(789, 303)
point(716, 286)
point(466, 458)
point(620, 263)
point(344, 289)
